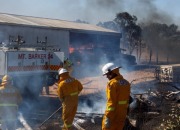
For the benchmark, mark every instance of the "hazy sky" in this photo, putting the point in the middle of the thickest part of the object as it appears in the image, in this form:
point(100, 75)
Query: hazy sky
point(93, 11)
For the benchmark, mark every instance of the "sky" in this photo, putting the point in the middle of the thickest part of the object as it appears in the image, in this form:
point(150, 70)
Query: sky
point(94, 11)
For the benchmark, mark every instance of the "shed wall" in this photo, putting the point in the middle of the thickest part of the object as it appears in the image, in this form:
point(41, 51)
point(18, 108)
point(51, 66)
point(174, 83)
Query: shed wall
point(55, 37)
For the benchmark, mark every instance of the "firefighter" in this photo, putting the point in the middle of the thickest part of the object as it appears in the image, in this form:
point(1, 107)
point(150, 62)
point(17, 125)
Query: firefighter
point(68, 65)
point(68, 91)
point(118, 93)
point(10, 99)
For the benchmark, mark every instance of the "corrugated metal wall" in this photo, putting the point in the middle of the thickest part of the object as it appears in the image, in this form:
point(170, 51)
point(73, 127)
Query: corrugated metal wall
point(55, 37)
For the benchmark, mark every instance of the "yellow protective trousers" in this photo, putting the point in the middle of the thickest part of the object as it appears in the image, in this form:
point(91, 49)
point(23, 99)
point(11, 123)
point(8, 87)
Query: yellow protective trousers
point(69, 110)
point(118, 120)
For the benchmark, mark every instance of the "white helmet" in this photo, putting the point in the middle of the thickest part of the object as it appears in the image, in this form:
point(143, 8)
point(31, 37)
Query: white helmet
point(108, 67)
point(61, 71)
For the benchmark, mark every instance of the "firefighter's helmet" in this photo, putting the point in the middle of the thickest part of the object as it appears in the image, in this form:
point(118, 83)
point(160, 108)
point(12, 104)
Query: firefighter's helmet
point(62, 71)
point(6, 78)
point(109, 67)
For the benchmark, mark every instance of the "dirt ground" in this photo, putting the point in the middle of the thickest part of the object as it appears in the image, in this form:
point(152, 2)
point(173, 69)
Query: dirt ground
point(95, 84)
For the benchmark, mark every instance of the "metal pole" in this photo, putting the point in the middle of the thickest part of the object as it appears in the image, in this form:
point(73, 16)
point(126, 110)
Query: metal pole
point(50, 116)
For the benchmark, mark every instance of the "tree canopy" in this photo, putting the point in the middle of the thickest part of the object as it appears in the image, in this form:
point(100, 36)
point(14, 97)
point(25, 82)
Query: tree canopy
point(160, 38)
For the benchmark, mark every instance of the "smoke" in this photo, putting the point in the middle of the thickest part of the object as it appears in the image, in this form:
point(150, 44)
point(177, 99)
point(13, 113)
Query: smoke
point(92, 11)
point(145, 10)
point(23, 122)
point(2, 38)
point(91, 67)
point(93, 103)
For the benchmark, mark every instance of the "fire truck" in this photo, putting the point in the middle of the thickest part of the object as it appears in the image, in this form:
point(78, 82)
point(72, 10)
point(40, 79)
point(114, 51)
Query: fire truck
point(30, 67)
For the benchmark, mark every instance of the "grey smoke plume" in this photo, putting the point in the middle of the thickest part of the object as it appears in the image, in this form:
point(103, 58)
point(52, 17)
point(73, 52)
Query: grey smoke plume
point(92, 11)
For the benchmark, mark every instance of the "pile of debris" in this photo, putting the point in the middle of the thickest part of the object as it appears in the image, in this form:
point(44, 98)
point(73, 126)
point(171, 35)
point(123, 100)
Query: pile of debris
point(152, 110)
point(88, 121)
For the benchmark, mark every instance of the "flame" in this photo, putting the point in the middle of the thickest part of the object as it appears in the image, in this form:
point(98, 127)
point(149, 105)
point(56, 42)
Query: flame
point(81, 48)
point(71, 50)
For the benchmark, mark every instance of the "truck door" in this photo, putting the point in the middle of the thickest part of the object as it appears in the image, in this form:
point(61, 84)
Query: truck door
point(56, 60)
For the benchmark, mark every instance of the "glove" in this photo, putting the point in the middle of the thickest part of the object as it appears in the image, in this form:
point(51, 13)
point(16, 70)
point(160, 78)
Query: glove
point(107, 122)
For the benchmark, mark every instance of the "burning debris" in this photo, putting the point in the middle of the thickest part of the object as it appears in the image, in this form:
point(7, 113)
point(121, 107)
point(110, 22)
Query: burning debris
point(89, 121)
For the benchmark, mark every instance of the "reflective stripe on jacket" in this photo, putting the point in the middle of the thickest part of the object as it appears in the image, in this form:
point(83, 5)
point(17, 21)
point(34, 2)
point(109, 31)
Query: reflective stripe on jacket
point(8, 105)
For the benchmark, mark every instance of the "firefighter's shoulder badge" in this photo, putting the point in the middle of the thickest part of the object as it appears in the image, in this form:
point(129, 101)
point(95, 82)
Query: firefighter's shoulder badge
point(69, 80)
point(123, 82)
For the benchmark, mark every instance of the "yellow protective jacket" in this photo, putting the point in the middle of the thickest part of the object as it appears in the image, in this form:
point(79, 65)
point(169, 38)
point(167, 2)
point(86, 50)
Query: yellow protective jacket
point(118, 93)
point(68, 90)
point(10, 99)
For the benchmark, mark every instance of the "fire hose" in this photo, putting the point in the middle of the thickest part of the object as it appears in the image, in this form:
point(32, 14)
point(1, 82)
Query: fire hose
point(50, 116)
point(75, 124)
point(23, 122)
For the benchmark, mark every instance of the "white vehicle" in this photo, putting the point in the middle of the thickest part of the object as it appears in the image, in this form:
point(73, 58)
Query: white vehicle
point(30, 68)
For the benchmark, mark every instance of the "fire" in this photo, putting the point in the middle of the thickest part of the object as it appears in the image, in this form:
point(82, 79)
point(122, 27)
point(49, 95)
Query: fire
point(81, 48)
point(71, 50)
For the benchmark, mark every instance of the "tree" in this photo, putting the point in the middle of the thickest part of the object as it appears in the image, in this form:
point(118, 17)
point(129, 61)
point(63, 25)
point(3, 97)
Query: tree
point(81, 21)
point(110, 25)
point(159, 38)
point(131, 32)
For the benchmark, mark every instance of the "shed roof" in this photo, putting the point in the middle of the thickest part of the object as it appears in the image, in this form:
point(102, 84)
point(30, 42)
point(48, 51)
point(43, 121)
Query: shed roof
point(51, 23)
